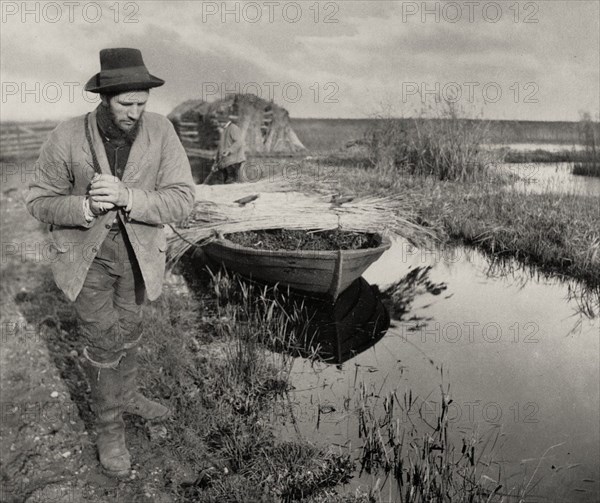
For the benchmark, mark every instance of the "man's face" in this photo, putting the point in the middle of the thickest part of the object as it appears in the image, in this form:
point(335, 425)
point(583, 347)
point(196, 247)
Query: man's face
point(127, 108)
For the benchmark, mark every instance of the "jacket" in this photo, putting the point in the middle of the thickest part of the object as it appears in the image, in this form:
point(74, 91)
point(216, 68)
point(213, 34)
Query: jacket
point(159, 174)
point(232, 142)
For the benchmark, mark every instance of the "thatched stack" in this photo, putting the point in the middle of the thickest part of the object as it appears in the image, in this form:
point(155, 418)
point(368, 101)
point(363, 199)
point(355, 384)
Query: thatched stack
point(265, 126)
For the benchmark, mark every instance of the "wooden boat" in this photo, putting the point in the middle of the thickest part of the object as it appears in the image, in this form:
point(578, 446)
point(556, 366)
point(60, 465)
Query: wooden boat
point(316, 271)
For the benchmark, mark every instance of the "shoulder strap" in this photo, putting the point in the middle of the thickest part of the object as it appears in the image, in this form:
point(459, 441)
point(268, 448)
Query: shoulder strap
point(91, 145)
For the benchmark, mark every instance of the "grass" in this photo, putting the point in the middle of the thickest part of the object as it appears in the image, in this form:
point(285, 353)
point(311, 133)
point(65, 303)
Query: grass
point(417, 453)
point(555, 232)
point(441, 167)
point(448, 148)
point(212, 367)
point(587, 169)
point(541, 155)
point(589, 136)
point(222, 387)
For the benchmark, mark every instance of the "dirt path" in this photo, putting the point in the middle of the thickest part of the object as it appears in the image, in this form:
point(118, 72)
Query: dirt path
point(47, 447)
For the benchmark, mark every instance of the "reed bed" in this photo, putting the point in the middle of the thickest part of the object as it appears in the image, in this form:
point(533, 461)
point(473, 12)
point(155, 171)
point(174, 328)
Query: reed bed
point(403, 437)
point(447, 148)
point(279, 206)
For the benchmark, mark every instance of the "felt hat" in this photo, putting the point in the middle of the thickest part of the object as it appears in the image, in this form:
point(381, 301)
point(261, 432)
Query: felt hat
point(121, 70)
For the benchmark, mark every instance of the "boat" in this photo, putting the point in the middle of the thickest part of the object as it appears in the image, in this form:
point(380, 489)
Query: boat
point(327, 272)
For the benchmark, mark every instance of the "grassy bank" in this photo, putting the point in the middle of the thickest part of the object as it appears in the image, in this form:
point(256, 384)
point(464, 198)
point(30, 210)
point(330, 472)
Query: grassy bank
point(204, 355)
point(587, 169)
point(541, 155)
point(557, 233)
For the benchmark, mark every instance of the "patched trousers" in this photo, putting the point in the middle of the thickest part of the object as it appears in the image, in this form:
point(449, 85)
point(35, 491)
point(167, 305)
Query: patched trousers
point(111, 300)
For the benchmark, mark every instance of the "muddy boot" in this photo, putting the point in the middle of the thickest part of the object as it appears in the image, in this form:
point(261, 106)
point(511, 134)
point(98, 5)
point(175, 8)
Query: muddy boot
point(135, 402)
point(107, 404)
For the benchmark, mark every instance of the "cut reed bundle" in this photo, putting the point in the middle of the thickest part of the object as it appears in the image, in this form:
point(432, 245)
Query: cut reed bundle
point(216, 212)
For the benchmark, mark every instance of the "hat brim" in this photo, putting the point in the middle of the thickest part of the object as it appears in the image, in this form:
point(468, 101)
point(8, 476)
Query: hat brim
point(93, 85)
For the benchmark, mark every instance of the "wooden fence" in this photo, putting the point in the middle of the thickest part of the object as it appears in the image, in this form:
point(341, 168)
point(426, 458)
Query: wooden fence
point(23, 140)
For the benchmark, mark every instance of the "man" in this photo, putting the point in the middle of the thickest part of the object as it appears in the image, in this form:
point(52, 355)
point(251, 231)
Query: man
point(107, 183)
point(230, 155)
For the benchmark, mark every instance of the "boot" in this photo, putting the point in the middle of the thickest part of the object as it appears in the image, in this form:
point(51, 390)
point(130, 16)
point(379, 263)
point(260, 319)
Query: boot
point(107, 404)
point(135, 402)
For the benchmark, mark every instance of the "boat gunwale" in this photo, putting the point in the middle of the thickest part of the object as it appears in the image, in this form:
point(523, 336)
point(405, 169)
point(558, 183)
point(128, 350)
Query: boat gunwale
point(385, 244)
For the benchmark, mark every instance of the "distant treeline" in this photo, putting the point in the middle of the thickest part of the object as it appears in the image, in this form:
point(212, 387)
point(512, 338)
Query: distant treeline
point(326, 134)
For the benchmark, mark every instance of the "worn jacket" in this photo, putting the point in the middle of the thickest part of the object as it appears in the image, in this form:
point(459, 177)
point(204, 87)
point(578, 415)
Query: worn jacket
point(232, 142)
point(157, 171)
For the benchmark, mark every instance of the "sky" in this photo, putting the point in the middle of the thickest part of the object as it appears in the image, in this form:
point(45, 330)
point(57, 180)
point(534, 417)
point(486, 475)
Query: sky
point(341, 59)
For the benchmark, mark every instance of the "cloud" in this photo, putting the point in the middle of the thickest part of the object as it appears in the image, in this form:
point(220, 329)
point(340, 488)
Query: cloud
point(365, 54)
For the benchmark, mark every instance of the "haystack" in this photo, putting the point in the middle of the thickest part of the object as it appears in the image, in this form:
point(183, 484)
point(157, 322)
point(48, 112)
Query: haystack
point(265, 126)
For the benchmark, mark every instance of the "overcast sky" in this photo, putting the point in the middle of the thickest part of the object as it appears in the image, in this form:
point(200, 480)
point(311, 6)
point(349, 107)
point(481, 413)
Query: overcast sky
point(503, 60)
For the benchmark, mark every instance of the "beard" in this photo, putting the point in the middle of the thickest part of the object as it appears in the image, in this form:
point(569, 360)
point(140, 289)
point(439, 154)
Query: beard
point(111, 126)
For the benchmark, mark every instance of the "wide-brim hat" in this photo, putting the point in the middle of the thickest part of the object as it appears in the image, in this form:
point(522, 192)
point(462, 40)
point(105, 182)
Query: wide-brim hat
point(121, 69)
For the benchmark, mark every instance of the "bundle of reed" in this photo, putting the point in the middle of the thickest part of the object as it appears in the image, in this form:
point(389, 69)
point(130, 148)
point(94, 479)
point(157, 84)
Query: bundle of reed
point(218, 212)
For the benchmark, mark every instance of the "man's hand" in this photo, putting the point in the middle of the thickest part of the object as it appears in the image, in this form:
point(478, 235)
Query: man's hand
point(98, 208)
point(108, 189)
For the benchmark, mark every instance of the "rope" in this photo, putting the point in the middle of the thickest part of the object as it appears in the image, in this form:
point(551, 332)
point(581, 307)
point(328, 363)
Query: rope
point(195, 245)
point(89, 140)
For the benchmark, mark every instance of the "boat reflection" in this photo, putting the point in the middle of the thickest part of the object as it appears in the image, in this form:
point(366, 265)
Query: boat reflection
point(320, 328)
point(337, 332)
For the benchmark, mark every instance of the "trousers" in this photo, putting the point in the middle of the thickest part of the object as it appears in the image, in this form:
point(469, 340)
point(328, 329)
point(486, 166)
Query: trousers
point(111, 301)
point(231, 173)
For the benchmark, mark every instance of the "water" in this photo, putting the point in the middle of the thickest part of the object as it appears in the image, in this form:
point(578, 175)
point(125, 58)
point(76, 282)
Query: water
point(539, 178)
point(520, 359)
point(520, 352)
point(531, 147)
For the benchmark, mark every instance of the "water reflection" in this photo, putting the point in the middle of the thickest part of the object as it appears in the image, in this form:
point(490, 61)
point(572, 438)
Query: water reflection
point(332, 332)
point(506, 340)
point(503, 335)
point(336, 333)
